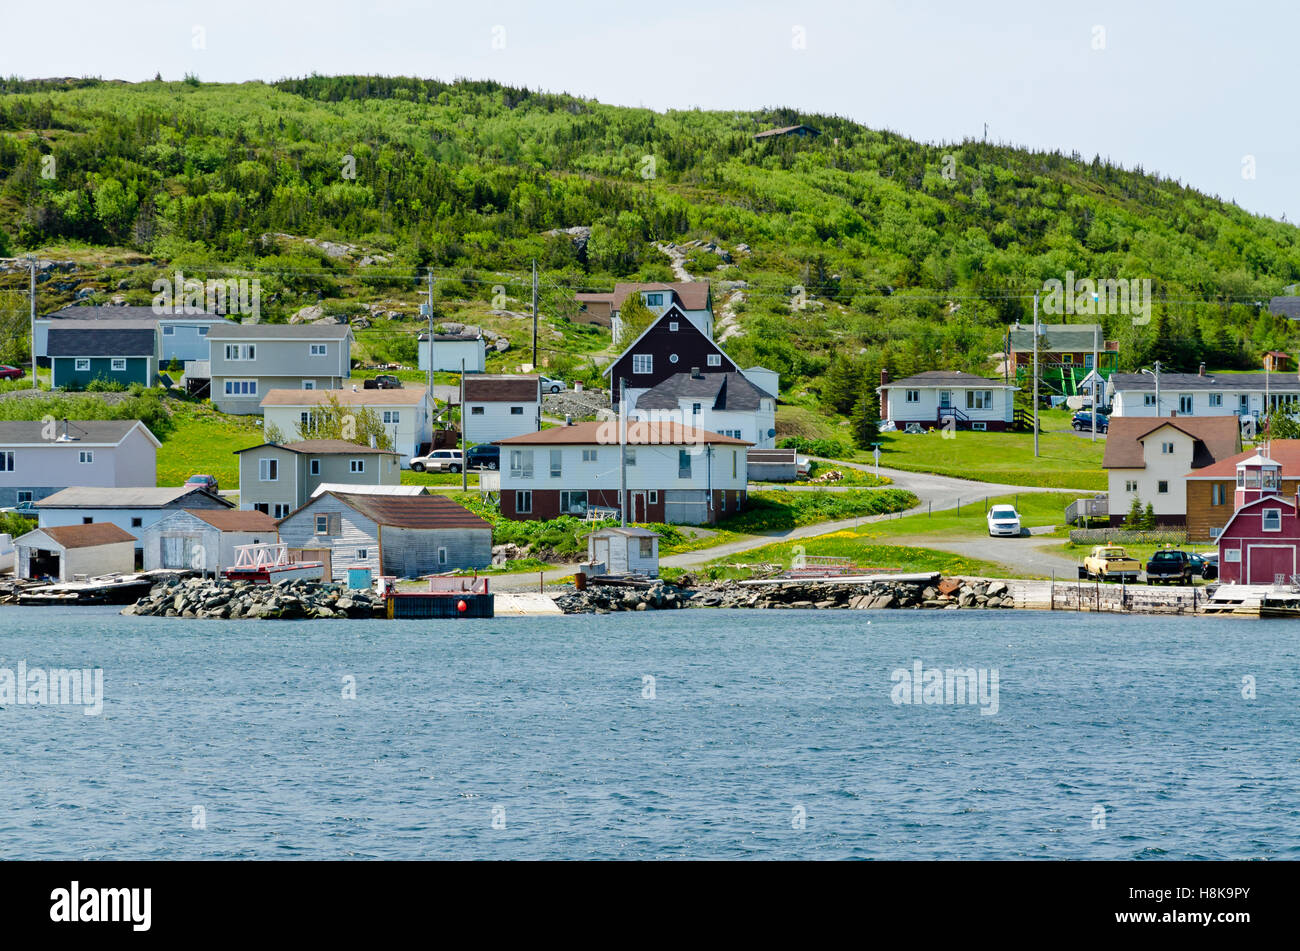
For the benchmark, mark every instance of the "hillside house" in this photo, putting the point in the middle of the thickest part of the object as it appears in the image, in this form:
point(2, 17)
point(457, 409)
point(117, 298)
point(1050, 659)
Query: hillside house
point(726, 403)
point(246, 361)
point(1065, 354)
point(499, 406)
point(203, 539)
point(674, 473)
point(405, 413)
point(788, 131)
point(1252, 395)
point(693, 301)
point(38, 459)
point(449, 350)
point(401, 536)
point(69, 552)
point(1150, 460)
point(113, 351)
point(942, 398)
point(277, 478)
point(181, 335)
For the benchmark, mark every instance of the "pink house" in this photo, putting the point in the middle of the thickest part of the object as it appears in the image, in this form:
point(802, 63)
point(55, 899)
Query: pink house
point(1261, 540)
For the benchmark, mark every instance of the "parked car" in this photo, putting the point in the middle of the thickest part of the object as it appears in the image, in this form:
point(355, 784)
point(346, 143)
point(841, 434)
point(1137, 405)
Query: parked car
point(1082, 422)
point(1004, 520)
point(1169, 565)
point(201, 481)
point(483, 457)
point(1110, 563)
point(440, 460)
point(551, 386)
point(382, 382)
point(9, 373)
point(1206, 564)
point(26, 509)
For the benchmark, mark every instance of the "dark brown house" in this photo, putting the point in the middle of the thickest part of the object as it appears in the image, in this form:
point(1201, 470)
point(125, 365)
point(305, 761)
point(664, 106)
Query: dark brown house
point(670, 345)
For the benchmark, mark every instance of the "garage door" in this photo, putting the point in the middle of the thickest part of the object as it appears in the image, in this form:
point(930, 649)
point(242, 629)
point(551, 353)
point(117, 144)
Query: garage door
point(1266, 562)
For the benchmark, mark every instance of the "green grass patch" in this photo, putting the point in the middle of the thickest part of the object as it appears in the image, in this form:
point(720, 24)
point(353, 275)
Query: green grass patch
point(205, 441)
point(778, 511)
point(1036, 510)
point(868, 557)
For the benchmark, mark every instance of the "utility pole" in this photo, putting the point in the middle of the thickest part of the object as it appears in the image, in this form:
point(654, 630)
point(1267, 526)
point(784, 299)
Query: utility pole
point(1096, 329)
point(464, 471)
point(430, 393)
point(31, 294)
point(535, 370)
point(622, 451)
point(1035, 373)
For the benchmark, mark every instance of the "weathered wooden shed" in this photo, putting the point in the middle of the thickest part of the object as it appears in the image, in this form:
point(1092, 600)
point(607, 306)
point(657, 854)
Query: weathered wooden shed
point(402, 536)
point(625, 551)
point(204, 539)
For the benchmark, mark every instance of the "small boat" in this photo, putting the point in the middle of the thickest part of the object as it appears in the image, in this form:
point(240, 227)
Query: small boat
point(268, 563)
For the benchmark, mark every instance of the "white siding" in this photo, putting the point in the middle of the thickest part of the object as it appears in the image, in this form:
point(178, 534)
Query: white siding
point(656, 468)
point(496, 421)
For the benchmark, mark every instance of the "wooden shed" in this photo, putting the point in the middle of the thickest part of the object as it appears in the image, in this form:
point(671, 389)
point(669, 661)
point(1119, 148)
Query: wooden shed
point(625, 551)
point(203, 539)
point(66, 551)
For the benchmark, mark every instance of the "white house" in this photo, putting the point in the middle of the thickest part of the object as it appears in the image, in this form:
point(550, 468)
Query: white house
point(675, 473)
point(726, 403)
point(450, 349)
point(1149, 459)
point(130, 509)
point(405, 413)
point(68, 551)
point(693, 298)
point(1204, 394)
point(499, 406)
point(203, 539)
point(934, 397)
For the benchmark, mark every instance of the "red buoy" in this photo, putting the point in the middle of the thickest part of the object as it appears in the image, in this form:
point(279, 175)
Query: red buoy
point(462, 607)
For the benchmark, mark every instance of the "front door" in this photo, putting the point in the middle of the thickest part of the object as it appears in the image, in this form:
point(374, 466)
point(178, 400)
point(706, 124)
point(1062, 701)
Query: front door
point(945, 399)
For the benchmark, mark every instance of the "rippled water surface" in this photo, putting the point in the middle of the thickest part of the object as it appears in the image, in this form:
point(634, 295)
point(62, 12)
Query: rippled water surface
point(535, 738)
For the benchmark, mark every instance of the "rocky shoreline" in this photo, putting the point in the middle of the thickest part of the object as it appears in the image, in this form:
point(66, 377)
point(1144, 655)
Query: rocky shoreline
point(286, 600)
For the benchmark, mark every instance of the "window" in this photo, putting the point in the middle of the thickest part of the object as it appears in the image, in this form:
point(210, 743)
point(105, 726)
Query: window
point(241, 351)
point(913, 396)
point(203, 331)
point(979, 399)
point(136, 521)
point(322, 524)
point(979, 426)
point(87, 520)
point(573, 503)
point(654, 300)
point(241, 387)
point(557, 463)
point(715, 359)
point(304, 419)
point(24, 495)
point(652, 497)
point(442, 556)
point(1167, 448)
point(476, 410)
point(695, 409)
point(647, 547)
point(672, 325)
point(357, 465)
point(523, 501)
point(169, 330)
point(268, 470)
point(1218, 494)
point(314, 466)
point(1131, 485)
point(722, 506)
point(309, 384)
point(1272, 521)
point(1162, 487)
point(683, 464)
point(1148, 399)
point(672, 358)
point(261, 507)
point(643, 363)
point(1232, 554)
point(363, 554)
point(81, 365)
point(630, 455)
point(392, 416)
point(1216, 399)
point(521, 464)
point(86, 457)
point(1185, 403)
point(320, 350)
point(516, 411)
point(589, 455)
point(6, 461)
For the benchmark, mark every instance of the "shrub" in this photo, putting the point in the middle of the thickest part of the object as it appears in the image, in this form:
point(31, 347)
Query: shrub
point(830, 448)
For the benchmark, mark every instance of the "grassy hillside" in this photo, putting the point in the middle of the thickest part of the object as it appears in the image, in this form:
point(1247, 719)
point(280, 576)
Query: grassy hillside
point(911, 256)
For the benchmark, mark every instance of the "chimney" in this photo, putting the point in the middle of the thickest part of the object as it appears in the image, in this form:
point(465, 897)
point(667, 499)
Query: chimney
point(1201, 371)
point(696, 374)
point(884, 376)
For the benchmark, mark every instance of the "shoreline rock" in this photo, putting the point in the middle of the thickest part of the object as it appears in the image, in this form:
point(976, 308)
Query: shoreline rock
point(210, 598)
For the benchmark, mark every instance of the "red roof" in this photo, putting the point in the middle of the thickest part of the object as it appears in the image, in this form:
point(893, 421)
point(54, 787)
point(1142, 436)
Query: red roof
point(233, 520)
point(88, 536)
point(1285, 452)
point(412, 511)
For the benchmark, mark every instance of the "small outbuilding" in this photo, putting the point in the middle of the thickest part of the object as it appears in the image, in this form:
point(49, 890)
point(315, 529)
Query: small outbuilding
point(204, 539)
point(625, 551)
point(67, 551)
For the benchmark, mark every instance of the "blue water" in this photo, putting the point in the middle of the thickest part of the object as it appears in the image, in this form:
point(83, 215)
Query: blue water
point(541, 724)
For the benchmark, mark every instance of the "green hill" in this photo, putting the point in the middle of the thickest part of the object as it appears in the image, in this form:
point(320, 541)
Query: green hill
point(911, 256)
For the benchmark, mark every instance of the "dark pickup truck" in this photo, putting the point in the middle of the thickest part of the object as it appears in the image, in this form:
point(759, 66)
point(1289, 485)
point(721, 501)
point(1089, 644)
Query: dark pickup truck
point(1170, 565)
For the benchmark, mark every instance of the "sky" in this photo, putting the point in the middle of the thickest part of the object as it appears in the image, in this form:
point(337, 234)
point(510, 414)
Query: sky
point(1191, 90)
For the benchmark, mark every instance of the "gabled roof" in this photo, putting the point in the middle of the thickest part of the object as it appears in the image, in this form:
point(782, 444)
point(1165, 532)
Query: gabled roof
point(944, 378)
point(321, 447)
point(1171, 382)
point(128, 312)
point(350, 489)
point(693, 295)
point(100, 338)
point(272, 331)
point(502, 388)
point(630, 530)
point(1265, 500)
point(1215, 438)
point(672, 313)
point(404, 511)
point(723, 391)
point(1285, 452)
point(234, 520)
point(605, 433)
point(348, 397)
point(1054, 338)
point(84, 536)
point(87, 433)
point(128, 497)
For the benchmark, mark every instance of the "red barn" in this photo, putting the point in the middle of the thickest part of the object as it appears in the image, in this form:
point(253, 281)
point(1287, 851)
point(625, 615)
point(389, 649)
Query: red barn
point(1261, 541)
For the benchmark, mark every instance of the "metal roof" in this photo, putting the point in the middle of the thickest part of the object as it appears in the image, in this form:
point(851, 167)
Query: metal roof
point(724, 391)
point(420, 511)
point(125, 497)
point(84, 432)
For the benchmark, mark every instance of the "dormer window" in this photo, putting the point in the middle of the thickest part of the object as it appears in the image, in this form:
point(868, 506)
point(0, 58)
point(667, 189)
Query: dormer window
point(655, 300)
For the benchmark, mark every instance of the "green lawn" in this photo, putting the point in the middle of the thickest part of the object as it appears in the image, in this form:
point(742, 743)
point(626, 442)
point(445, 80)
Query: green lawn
point(204, 441)
point(771, 511)
point(869, 557)
point(1036, 509)
point(1065, 459)
point(447, 479)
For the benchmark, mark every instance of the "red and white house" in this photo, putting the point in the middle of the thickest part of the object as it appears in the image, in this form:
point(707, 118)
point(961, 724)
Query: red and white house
point(675, 473)
point(1260, 542)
